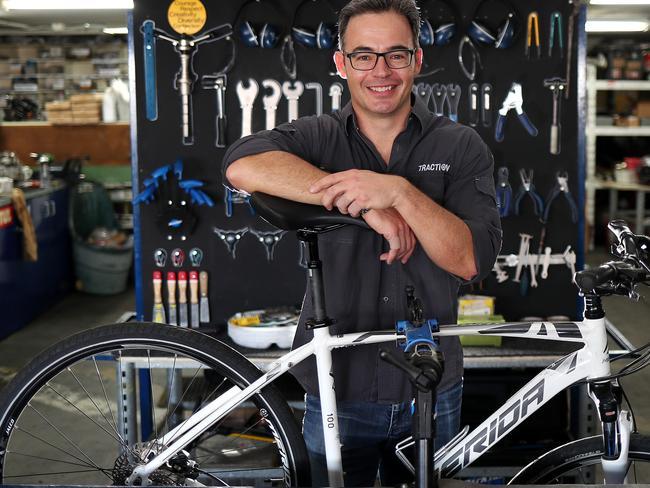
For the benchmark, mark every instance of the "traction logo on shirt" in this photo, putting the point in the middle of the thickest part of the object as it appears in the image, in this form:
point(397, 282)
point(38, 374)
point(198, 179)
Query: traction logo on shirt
point(444, 167)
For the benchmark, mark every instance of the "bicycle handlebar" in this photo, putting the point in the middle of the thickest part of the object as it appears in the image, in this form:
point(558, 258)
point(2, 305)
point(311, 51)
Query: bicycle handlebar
point(590, 279)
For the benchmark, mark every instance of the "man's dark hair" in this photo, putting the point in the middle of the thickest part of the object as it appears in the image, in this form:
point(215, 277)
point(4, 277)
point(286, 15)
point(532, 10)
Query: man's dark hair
point(407, 8)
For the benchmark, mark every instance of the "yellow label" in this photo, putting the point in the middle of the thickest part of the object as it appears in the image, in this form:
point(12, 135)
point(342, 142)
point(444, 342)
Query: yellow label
point(186, 16)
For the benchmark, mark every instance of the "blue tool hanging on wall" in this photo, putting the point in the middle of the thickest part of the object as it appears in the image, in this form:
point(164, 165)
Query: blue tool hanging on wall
point(175, 216)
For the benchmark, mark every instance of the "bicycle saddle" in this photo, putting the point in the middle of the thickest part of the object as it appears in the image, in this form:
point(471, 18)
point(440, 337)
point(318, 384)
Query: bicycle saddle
point(290, 215)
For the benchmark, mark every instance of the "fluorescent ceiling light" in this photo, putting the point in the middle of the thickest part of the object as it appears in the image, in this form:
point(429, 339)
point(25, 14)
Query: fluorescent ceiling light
point(616, 26)
point(115, 30)
point(67, 4)
point(619, 2)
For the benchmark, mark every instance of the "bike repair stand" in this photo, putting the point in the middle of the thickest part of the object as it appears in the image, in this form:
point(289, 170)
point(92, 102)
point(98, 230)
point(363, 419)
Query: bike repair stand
point(423, 365)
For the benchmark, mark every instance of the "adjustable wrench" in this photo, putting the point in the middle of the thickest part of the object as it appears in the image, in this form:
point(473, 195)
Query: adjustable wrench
point(218, 83)
point(246, 98)
point(271, 101)
point(319, 95)
point(335, 93)
point(292, 95)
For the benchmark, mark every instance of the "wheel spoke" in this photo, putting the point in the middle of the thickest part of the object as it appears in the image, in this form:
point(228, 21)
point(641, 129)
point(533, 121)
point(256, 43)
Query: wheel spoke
point(108, 403)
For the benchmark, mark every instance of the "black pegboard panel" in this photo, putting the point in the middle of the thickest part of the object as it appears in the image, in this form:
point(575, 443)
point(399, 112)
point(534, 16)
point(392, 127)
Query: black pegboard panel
point(250, 280)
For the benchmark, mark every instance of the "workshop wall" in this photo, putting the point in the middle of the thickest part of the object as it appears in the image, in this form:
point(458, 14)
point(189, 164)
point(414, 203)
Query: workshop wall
point(246, 278)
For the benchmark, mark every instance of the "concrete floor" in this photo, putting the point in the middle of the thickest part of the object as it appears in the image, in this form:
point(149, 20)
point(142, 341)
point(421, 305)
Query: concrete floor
point(80, 311)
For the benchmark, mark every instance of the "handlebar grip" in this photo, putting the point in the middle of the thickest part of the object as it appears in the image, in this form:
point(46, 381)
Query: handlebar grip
point(589, 279)
point(624, 235)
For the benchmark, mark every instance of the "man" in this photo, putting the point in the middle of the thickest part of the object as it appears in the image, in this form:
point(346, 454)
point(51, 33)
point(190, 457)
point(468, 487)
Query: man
point(424, 185)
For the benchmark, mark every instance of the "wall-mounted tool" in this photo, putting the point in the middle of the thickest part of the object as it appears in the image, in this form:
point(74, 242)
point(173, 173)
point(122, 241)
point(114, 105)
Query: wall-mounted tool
point(528, 188)
point(230, 238)
point(475, 58)
point(503, 192)
point(486, 108)
point(336, 94)
point(171, 298)
point(474, 108)
point(204, 312)
point(218, 84)
point(292, 92)
point(438, 96)
point(423, 92)
point(453, 100)
point(270, 101)
point(178, 257)
point(247, 95)
point(232, 196)
point(532, 36)
point(182, 299)
point(561, 187)
point(194, 300)
point(556, 26)
point(318, 90)
point(269, 239)
point(569, 51)
point(158, 312)
point(196, 256)
point(160, 257)
point(557, 86)
point(514, 100)
point(175, 217)
point(186, 47)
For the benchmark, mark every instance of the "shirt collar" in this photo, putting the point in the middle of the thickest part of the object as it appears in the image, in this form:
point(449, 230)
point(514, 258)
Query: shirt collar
point(419, 112)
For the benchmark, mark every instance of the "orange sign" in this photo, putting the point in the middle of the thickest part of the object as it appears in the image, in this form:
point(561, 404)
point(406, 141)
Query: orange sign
point(186, 16)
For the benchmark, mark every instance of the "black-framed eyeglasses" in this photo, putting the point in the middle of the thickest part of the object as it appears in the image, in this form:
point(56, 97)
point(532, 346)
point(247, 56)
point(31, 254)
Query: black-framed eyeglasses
point(367, 60)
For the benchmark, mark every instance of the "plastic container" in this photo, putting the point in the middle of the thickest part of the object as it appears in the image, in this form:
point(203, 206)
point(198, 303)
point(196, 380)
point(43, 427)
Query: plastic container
point(102, 271)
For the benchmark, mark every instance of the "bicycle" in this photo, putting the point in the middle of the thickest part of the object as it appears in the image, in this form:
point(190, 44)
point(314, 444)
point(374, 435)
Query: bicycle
point(58, 423)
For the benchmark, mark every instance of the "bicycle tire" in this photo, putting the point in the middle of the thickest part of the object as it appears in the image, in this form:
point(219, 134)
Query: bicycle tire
point(572, 459)
point(67, 365)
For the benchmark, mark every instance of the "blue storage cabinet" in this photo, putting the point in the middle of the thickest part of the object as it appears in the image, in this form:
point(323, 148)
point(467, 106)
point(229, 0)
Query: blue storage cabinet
point(29, 288)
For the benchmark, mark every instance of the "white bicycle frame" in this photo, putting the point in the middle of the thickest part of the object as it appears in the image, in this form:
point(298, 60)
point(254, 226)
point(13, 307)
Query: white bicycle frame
point(591, 361)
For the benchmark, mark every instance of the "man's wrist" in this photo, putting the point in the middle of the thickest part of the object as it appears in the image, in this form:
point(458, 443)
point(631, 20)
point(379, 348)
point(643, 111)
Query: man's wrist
point(401, 192)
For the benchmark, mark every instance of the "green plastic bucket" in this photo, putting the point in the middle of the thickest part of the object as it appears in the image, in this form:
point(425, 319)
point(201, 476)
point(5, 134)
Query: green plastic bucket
point(100, 270)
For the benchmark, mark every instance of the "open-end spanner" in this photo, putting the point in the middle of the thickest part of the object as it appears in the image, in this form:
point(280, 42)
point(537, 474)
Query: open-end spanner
point(423, 91)
point(319, 95)
point(438, 96)
point(453, 100)
point(246, 97)
point(271, 101)
point(292, 94)
point(336, 93)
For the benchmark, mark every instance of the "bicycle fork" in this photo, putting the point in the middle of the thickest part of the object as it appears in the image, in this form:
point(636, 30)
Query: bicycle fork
point(617, 427)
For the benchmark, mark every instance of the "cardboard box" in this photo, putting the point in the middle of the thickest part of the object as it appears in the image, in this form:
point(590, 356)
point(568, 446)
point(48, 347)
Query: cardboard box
point(492, 341)
point(643, 108)
point(475, 305)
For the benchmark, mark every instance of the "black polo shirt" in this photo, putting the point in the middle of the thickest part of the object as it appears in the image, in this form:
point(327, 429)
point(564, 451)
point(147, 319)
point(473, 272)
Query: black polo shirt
point(447, 161)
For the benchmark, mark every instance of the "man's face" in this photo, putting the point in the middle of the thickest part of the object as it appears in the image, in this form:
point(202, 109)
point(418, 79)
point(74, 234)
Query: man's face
point(382, 90)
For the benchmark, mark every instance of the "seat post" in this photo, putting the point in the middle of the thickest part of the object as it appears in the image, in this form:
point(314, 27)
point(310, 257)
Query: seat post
point(315, 281)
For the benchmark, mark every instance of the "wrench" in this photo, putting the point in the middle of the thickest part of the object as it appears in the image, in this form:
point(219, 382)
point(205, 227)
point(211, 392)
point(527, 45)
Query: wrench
point(335, 93)
point(453, 99)
point(486, 111)
point(501, 274)
point(547, 262)
point(438, 95)
point(246, 98)
point(570, 258)
point(524, 246)
point(423, 90)
point(218, 83)
point(292, 95)
point(319, 95)
point(271, 101)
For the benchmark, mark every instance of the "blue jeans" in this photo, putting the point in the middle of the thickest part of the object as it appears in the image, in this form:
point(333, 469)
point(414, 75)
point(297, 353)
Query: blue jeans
point(369, 433)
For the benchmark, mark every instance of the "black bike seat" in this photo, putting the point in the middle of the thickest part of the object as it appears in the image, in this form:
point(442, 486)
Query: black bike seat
point(290, 215)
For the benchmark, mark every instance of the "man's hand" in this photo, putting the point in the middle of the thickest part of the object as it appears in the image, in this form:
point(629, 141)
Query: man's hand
point(353, 190)
point(390, 224)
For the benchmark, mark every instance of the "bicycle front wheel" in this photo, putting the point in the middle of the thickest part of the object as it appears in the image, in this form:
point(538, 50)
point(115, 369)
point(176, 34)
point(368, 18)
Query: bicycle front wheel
point(69, 417)
point(579, 462)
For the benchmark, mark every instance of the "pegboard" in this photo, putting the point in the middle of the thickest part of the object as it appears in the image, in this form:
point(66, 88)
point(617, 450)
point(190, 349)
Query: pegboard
point(251, 280)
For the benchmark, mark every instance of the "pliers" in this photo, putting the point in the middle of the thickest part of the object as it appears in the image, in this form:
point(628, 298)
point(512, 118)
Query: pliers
point(527, 188)
point(514, 99)
point(504, 192)
point(561, 186)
